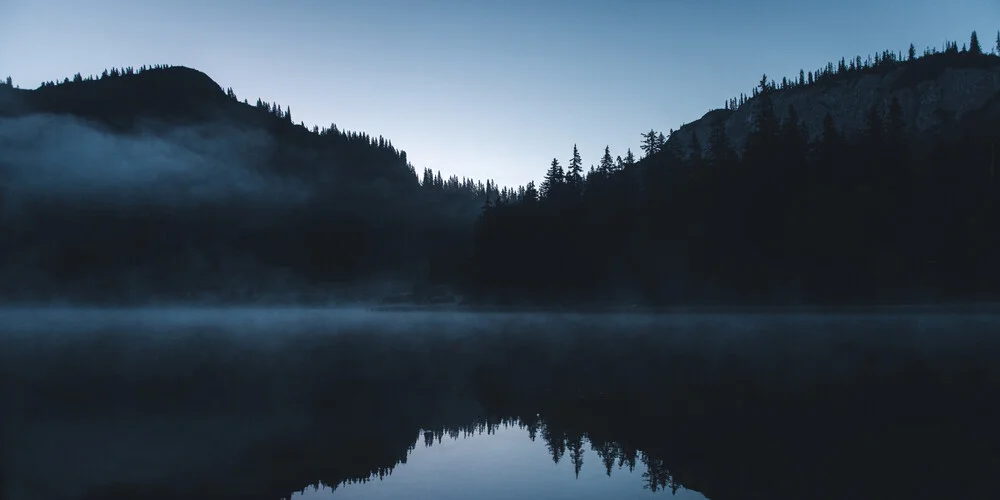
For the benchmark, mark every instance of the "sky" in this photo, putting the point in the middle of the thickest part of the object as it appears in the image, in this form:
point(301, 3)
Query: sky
point(478, 88)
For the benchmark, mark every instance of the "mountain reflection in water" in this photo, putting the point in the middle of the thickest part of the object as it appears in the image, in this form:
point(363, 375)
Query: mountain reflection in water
point(261, 404)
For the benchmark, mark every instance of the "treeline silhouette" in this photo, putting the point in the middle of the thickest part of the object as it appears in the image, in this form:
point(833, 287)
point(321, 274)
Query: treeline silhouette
point(885, 215)
point(878, 63)
point(730, 406)
point(366, 218)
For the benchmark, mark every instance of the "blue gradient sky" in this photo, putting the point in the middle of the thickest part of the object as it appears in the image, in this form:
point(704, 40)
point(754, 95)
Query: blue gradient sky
point(476, 88)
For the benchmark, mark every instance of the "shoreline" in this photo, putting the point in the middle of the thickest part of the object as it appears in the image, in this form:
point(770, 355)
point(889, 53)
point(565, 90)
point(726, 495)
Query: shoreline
point(472, 308)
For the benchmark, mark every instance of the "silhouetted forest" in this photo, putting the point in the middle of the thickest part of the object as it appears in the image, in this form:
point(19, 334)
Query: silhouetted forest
point(245, 203)
point(886, 215)
point(755, 406)
point(356, 212)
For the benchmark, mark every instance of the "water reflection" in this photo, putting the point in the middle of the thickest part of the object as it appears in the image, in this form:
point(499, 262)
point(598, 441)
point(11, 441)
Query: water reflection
point(260, 405)
point(501, 463)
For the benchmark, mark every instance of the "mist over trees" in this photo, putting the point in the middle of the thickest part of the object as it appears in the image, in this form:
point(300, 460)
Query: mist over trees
point(156, 182)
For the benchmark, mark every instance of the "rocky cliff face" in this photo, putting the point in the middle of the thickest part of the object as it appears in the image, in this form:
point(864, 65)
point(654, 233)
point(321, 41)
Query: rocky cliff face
point(933, 97)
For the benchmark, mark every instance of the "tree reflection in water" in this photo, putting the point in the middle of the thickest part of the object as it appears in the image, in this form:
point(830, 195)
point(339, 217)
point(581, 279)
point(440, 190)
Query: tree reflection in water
point(504, 463)
point(731, 406)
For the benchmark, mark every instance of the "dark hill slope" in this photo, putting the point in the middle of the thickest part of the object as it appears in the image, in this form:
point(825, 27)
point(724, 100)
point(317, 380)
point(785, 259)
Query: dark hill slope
point(158, 183)
point(165, 94)
point(938, 94)
point(863, 186)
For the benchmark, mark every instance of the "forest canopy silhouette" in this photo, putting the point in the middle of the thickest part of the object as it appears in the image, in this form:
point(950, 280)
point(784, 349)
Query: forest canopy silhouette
point(155, 183)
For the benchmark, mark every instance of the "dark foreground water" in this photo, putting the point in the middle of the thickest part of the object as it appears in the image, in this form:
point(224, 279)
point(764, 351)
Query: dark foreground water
point(273, 404)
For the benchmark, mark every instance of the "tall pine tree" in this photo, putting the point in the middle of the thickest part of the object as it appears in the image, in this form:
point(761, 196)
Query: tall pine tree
point(764, 136)
point(974, 46)
point(574, 172)
point(607, 164)
point(554, 179)
point(649, 143)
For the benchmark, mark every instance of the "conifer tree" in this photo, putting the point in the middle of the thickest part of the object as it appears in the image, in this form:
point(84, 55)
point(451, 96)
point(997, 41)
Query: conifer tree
point(574, 172)
point(629, 159)
point(530, 193)
point(554, 178)
point(649, 140)
point(766, 122)
point(912, 53)
point(974, 47)
point(607, 164)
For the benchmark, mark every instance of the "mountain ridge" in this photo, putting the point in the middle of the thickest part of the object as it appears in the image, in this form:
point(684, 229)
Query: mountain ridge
point(935, 92)
point(789, 219)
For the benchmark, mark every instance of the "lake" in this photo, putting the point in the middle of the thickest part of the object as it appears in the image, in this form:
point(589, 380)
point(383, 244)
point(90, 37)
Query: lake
point(353, 404)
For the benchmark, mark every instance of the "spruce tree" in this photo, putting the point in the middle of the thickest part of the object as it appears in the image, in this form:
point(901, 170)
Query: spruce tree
point(912, 53)
point(574, 173)
point(649, 141)
point(607, 163)
point(997, 47)
point(974, 46)
point(629, 159)
point(765, 127)
point(530, 193)
point(554, 178)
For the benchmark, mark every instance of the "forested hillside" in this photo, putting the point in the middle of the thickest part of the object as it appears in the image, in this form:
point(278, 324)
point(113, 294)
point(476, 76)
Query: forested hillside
point(155, 183)
point(867, 181)
point(889, 211)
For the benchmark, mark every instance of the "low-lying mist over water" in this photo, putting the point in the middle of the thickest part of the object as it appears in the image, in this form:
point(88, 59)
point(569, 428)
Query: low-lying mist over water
point(265, 403)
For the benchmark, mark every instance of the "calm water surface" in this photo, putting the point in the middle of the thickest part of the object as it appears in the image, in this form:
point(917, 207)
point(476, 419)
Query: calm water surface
point(309, 403)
